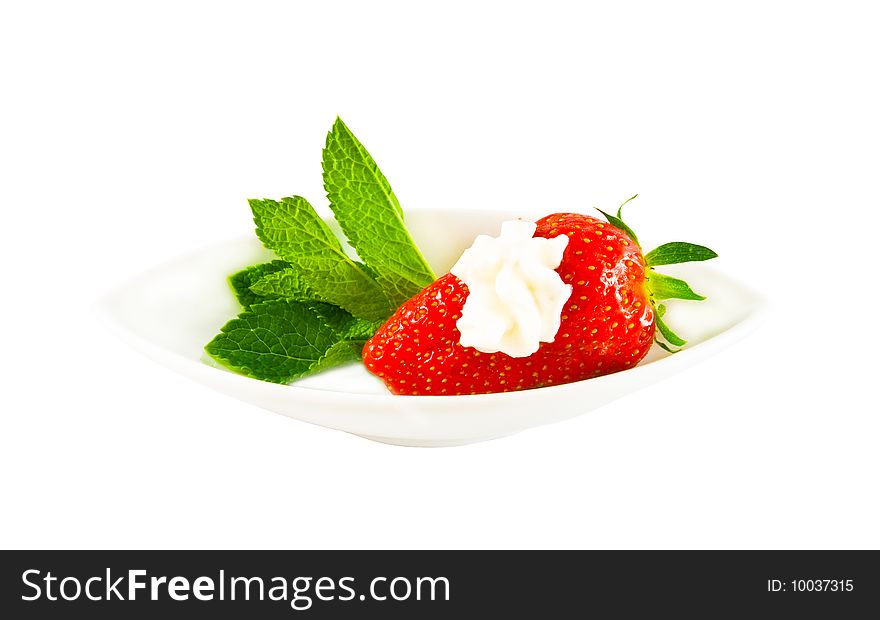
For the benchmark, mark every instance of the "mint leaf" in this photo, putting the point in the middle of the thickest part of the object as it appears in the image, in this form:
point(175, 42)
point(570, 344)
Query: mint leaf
point(334, 317)
point(361, 331)
point(242, 281)
point(678, 252)
point(280, 340)
point(370, 216)
point(285, 283)
point(349, 328)
point(297, 234)
point(667, 287)
point(340, 353)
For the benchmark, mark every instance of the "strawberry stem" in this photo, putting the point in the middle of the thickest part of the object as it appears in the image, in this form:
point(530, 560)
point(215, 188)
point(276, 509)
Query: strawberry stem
point(665, 346)
point(660, 286)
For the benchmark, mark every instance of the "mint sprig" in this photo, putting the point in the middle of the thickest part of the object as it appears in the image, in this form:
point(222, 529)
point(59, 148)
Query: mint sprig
point(297, 234)
point(316, 306)
point(370, 216)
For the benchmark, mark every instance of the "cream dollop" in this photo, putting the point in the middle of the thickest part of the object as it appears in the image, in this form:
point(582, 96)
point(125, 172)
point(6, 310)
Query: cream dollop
point(516, 298)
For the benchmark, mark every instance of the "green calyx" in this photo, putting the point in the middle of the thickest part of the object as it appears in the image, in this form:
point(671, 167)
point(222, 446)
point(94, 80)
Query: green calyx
point(660, 286)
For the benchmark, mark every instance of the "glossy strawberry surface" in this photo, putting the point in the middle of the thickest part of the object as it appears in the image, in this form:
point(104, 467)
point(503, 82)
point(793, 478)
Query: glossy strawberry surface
point(607, 324)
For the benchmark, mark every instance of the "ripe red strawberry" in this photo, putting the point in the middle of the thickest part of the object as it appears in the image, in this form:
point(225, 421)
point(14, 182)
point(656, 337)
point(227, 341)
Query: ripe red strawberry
point(607, 324)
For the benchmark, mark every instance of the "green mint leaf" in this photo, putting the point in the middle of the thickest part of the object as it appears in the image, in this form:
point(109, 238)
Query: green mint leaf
point(353, 334)
point(277, 340)
point(340, 353)
point(334, 317)
point(670, 335)
point(348, 286)
point(370, 216)
point(361, 331)
point(678, 252)
point(242, 281)
point(667, 287)
point(293, 228)
point(294, 231)
point(349, 328)
point(616, 221)
point(285, 283)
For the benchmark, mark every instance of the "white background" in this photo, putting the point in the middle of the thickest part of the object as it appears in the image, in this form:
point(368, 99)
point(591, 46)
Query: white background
point(132, 133)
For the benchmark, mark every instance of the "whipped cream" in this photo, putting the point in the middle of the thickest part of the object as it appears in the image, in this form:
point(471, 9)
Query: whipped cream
point(516, 298)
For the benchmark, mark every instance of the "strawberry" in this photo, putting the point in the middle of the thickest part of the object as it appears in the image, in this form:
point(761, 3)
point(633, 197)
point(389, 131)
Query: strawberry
point(607, 324)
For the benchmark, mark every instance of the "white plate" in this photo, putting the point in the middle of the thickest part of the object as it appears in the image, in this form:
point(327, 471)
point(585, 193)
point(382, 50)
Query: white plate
point(172, 311)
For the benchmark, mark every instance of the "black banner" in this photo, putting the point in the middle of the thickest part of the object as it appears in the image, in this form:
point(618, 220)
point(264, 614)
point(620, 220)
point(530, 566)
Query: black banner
point(428, 584)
